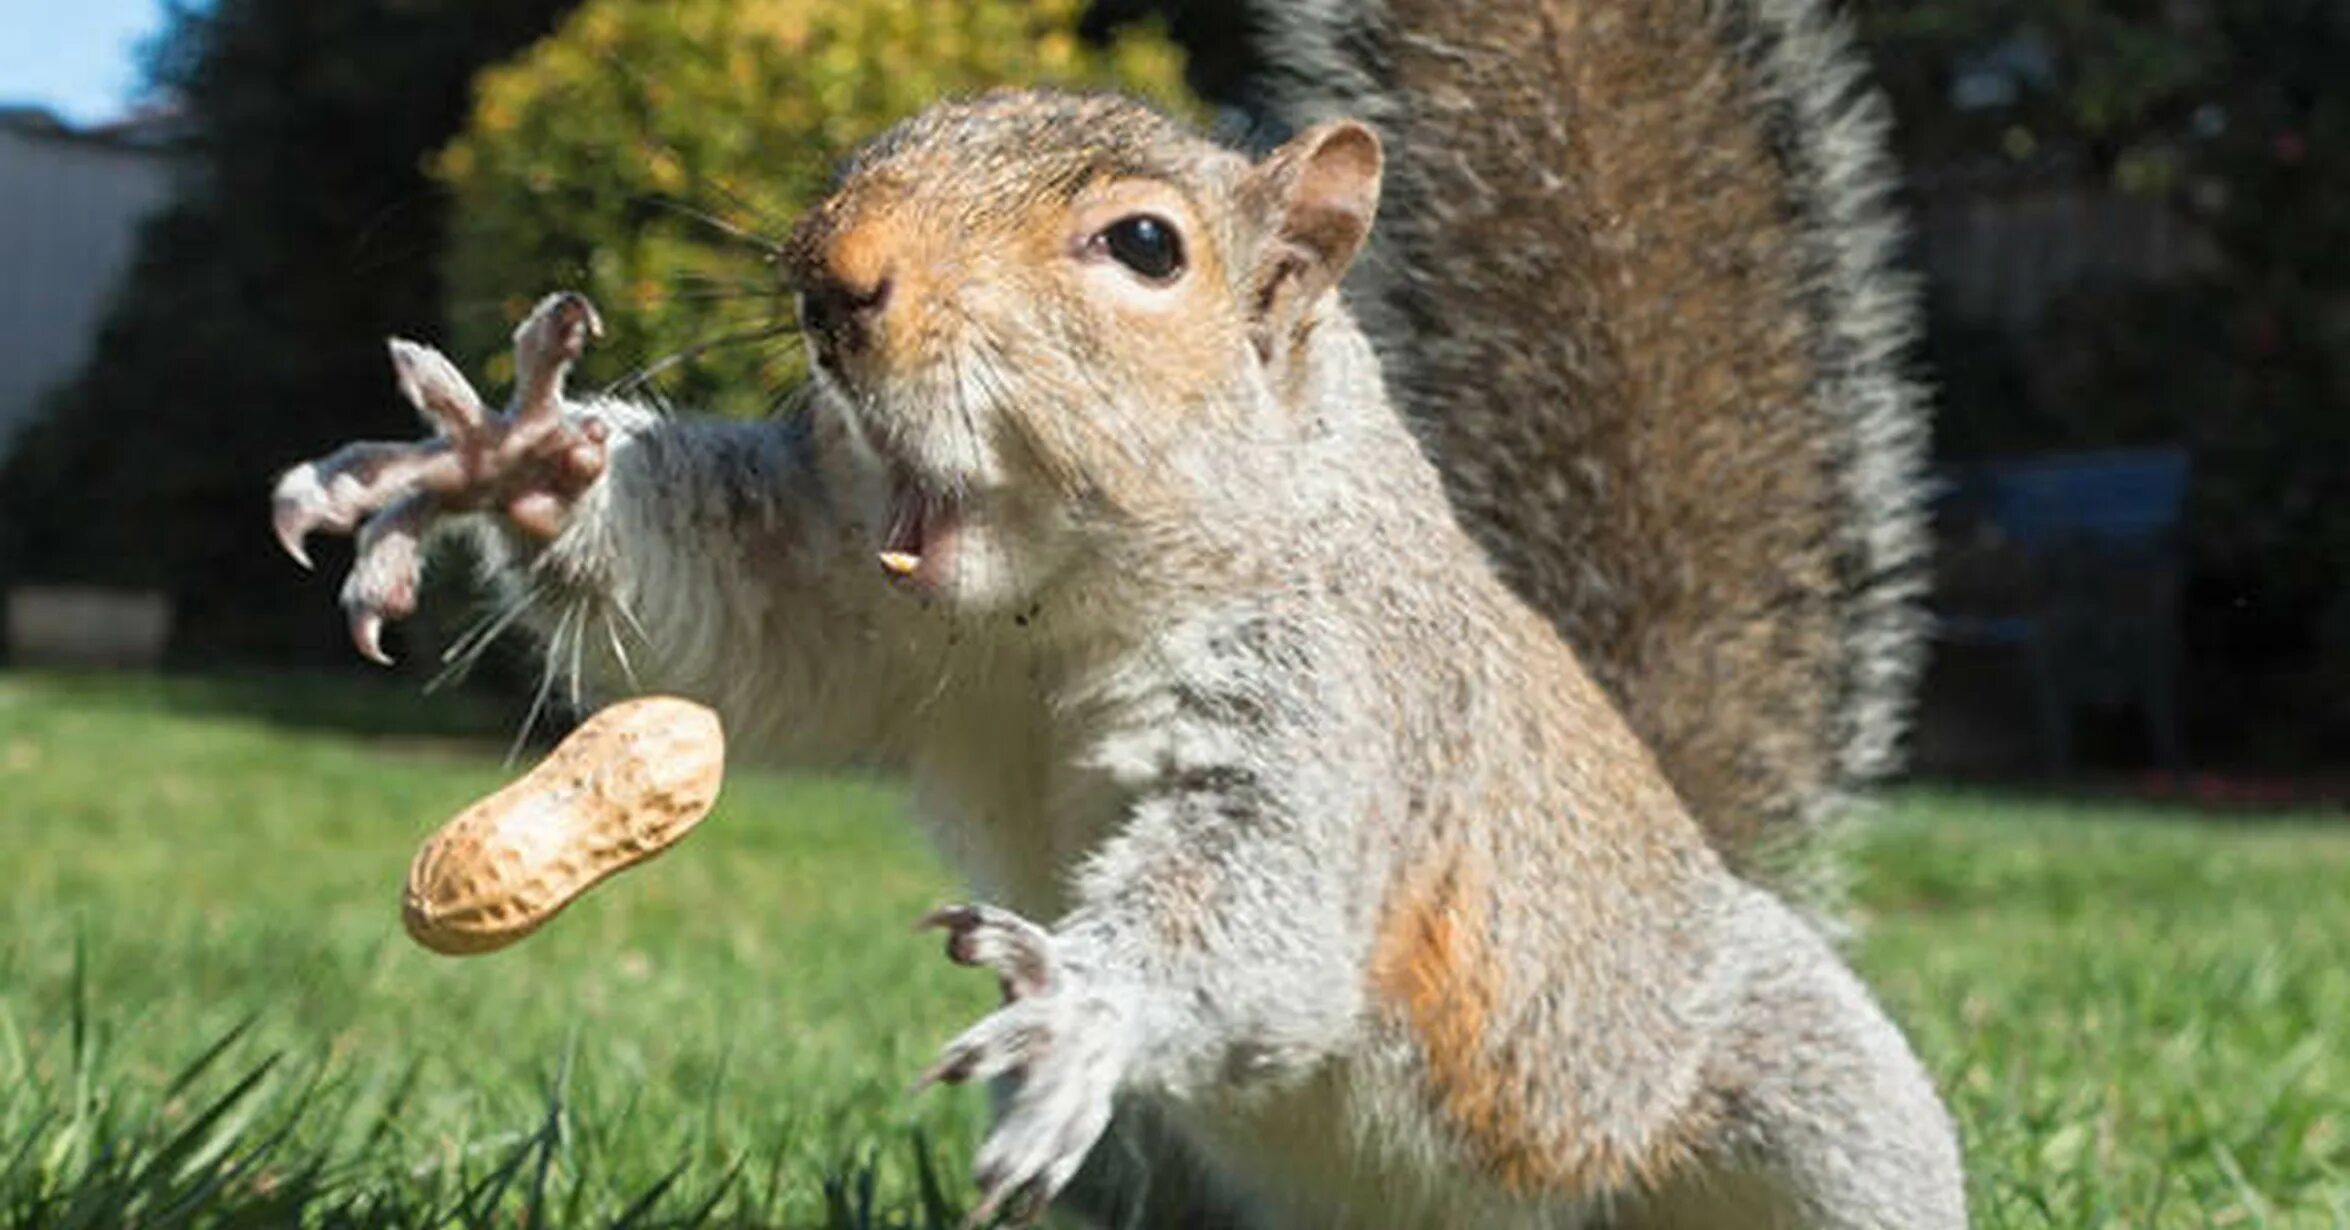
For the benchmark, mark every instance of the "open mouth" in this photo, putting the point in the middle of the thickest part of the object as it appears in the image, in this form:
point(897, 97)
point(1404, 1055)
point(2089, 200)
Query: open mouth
point(925, 527)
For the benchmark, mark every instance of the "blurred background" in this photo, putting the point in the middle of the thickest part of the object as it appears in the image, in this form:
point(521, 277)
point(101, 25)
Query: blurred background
point(2127, 224)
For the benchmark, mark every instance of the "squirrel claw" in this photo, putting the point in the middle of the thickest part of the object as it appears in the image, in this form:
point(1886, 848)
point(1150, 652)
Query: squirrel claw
point(1018, 1206)
point(945, 1070)
point(300, 506)
point(1019, 951)
point(387, 572)
point(1064, 1054)
point(558, 329)
point(531, 464)
point(296, 544)
point(290, 513)
point(1064, 1047)
point(367, 631)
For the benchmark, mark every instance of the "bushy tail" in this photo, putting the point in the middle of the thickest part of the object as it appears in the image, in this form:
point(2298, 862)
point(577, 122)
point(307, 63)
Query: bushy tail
point(1633, 280)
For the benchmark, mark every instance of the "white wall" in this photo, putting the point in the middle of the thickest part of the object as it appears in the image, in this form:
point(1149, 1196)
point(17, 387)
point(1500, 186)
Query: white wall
point(70, 209)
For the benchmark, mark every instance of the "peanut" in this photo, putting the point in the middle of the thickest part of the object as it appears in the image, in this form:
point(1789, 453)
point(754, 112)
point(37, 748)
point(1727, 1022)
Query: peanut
point(626, 785)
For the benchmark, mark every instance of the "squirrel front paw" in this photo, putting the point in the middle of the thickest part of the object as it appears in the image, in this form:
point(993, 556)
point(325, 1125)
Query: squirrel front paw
point(530, 463)
point(1063, 1043)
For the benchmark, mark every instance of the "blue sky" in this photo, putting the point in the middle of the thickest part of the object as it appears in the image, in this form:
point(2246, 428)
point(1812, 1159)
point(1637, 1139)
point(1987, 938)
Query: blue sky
point(76, 57)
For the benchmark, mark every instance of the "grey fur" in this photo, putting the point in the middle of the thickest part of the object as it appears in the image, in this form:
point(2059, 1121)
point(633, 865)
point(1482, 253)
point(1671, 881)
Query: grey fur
point(1827, 129)
point(1352, 883)
point(1833, 137)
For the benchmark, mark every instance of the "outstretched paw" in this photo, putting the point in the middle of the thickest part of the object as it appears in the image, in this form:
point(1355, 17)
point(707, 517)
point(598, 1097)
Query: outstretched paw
point(530, 463)
point(1062, 1042)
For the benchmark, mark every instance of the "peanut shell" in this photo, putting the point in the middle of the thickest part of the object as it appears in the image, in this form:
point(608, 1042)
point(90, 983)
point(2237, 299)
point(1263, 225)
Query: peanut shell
point(626, 785)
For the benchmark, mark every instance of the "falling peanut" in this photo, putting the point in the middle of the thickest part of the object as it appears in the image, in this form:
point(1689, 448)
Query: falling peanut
point(626, 785)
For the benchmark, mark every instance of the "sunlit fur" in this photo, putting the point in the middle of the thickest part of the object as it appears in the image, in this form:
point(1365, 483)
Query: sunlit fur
point(1385, 917)
point(1636, 290)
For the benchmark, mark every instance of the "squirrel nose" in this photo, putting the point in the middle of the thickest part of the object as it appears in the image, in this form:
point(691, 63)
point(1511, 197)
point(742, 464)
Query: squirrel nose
point(840, 313)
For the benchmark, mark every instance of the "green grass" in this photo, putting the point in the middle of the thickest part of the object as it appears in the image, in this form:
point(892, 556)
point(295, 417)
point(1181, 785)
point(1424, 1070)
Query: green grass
point(208, 1012)
point(2141, 1018)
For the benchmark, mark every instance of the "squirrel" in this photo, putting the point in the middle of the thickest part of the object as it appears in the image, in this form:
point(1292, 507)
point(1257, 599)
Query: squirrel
point(1367, 717)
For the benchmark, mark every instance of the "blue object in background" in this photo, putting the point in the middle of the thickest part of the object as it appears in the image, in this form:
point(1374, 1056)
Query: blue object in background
point(2126, 500)
point(2087, 546)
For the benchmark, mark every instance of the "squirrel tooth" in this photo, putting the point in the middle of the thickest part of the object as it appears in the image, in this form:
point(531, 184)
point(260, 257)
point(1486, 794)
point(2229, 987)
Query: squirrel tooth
point(1243, 743)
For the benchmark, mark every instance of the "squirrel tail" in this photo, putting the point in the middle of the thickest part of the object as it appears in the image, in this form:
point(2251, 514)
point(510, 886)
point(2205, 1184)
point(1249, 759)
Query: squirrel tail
point(1633, 281)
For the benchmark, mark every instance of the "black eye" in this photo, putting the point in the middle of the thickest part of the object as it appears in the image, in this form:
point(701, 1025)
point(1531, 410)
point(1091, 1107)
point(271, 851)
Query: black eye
point(1147, 245)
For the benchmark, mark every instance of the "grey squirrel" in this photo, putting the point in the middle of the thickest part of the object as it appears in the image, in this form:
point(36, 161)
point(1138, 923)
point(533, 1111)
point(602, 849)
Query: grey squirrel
point(1364, 734)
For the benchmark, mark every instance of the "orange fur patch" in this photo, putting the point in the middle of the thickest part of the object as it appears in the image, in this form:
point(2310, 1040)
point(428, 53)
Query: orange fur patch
point(1434, 965)
point(862, 255)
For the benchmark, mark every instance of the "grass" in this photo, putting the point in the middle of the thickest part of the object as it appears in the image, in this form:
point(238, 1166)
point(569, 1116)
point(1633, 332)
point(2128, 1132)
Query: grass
point(208, 1014)
point(2141, 1018)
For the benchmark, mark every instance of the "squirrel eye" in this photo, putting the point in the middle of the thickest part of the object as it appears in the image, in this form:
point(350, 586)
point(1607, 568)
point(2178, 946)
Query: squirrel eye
point(1146, 244)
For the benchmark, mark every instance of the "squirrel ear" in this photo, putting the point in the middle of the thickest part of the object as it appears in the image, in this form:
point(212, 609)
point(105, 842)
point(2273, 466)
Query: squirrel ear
point(1315, 198)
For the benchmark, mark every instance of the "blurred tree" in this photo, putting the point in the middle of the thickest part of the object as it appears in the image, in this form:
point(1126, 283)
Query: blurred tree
point(2235, 115)
point(1226, 61)
point(249, 332)
point(648, 152)
point(2011, 78)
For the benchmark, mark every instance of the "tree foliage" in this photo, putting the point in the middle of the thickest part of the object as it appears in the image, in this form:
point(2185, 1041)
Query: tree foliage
point(646, 153)
point(2236, 116)
point(249, 331)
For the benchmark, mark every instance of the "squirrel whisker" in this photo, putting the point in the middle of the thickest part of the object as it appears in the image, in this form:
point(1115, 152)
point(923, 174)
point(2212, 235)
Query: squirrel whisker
point(741, 234)
point(464, 653)
point(1429, 668)
point(643, 375)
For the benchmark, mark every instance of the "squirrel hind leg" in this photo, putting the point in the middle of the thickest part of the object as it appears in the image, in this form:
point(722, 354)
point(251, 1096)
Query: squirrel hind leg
point(1823, 1118)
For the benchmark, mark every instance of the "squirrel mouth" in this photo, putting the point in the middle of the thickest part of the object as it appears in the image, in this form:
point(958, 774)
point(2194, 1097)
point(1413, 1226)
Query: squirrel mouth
point(924, 530)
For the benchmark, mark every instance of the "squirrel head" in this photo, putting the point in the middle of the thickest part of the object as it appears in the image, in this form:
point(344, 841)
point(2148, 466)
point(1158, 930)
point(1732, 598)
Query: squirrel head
point(1039, 315)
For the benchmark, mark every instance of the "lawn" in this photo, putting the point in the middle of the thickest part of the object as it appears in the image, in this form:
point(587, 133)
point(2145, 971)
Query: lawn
point(208, 1012)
